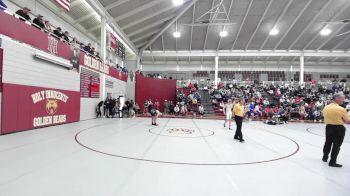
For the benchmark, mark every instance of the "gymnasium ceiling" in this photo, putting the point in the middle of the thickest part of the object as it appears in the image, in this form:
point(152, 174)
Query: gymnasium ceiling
point(299, 23)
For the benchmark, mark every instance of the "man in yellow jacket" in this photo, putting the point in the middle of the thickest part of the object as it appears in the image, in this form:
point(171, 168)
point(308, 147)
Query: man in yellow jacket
point(334, 117)
point(238, 112)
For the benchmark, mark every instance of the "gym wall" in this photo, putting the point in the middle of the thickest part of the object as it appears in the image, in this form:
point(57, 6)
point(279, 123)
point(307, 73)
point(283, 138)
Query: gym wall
point(151, 88)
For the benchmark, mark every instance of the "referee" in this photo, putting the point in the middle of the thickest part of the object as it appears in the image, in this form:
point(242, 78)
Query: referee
point(334, 116)
point(238, 112)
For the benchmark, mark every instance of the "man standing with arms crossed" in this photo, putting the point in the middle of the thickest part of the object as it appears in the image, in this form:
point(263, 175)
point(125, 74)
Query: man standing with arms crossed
point(239, 113)
point(334, 116)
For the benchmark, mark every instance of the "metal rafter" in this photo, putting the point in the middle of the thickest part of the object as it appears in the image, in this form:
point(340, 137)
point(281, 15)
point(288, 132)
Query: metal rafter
point(339, 44)
point(277, 21)
point(94, 28)
point(343, 8)
point(243, 21)
point(141, 44)
point(145, 28)
point(138, 10)
point(210, 18)
point(291, 26)
point(166, 27)
point(147, 35)
point(331, 37)
point(324, 7)
point(75, 4)
point(161, 11)
point(163, 43)
point(191, 38)
point(193, 14)
point(229, 12)
point(85, 17)
point(115, 4)
point(257, 26)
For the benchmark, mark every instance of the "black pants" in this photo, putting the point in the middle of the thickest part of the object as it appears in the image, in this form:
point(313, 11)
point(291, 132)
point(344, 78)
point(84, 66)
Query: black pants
point(334, 138)
point(239, 121)
point(98, 112)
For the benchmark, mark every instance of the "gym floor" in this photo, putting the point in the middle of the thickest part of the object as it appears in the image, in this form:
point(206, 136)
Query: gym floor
point(180, 157)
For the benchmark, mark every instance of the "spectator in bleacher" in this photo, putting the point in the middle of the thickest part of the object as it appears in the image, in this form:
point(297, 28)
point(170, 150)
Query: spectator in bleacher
point(201, 110)
point(92, 51)
point(65, 36)
point(24, 14)
point(156, 104)
point(58, 32)
point(39, 22)
point(98, 56)
point(47, 26)
point(177, 109)
point(87, 48)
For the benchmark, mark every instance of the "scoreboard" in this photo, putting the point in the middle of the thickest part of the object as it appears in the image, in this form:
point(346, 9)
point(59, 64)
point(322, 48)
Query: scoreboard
point(89, 84)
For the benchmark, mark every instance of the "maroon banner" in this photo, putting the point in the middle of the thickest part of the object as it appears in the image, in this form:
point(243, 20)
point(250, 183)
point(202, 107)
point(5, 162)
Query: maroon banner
point(95, 64)
point(19, 30)
point(112, 41)
point(28, 107)
point(1, 59)
point(152, 88)
point(118, 74)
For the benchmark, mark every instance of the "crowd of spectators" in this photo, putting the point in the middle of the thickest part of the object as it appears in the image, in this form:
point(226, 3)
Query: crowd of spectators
point(45, 26)
point(116, 107)
point(183, 105)
point(190, 103)
point(280, 103)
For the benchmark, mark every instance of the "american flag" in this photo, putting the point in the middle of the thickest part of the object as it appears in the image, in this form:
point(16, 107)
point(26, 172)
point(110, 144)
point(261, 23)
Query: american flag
point(2, 5)
point(64, 3)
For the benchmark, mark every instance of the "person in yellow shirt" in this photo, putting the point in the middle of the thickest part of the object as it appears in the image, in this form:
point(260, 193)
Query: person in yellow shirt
point(334, 116)
point(238, 112)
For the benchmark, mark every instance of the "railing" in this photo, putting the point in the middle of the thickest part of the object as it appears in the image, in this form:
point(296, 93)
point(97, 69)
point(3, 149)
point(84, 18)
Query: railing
point(21, 31)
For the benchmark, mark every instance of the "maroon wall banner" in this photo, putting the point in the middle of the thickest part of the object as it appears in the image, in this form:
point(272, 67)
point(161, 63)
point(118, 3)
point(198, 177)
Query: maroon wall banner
point(151, 88)
point(19, 30)
point(1, 59)
point(28, 107)
point(112, 42)
point(95, 64)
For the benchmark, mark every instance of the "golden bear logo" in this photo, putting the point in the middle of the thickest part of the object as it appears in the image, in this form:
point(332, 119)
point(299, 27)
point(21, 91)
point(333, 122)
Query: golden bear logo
point(180, 131)
point(51, 106)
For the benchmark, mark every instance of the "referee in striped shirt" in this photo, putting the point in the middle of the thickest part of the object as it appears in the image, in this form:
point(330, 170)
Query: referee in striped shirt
point(335, 117)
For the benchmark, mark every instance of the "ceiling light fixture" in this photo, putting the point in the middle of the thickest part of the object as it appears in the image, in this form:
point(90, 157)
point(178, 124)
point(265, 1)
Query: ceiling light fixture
point(274, 31)
point(178, 2)
point(325, 31)
point(223, 33)
point(177, 34)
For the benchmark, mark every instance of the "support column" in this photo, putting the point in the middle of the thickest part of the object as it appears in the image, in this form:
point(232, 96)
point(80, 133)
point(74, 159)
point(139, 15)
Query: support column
point(103, 39)
point(301, 76)
point(103, 54)
point(216, 71)
point(138, 63)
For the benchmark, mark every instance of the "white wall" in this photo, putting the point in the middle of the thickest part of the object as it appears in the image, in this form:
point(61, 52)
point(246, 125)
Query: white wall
point(88, 105)
point(21, 67)
point(130, 89)
point(119, 87)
